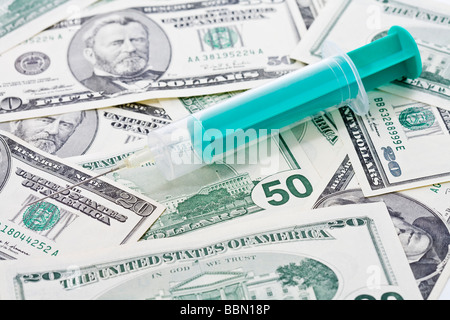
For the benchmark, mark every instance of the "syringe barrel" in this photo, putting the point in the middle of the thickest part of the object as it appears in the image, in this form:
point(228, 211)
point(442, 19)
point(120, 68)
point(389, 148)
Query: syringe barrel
point(185, 145)
point(172, 147)
point(290, 98)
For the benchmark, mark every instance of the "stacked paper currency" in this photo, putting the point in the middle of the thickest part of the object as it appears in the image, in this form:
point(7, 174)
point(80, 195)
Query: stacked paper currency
point(340, 207)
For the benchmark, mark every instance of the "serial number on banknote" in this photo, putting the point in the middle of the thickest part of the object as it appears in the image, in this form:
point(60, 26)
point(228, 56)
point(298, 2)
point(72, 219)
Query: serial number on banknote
point(16, 234)
point(225, 55)
point(388, 122)
point(44, 39)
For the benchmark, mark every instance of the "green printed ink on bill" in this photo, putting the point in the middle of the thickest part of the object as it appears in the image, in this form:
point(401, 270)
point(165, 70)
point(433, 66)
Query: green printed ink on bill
point(22, 19)
point(41, 216)
point(16, 13)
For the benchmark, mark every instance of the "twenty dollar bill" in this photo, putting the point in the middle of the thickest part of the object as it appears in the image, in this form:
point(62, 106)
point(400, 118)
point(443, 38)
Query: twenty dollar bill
point(311, 255)
point(400, 144)
point(420, 215)
point(96, 214)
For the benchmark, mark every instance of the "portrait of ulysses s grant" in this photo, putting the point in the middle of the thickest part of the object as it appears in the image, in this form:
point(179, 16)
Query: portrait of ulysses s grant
point(65, 135)
point(119, 52)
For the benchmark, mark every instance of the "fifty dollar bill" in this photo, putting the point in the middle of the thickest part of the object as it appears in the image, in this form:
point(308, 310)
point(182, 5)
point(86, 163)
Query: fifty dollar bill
point(274, 173)
point(123, 52)
point(85, 132)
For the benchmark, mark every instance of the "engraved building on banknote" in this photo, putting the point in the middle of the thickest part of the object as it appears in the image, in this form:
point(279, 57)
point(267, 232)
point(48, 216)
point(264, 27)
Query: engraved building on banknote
point(234, 285)
point(223, 199)
point(241, 183)
point(436, 61)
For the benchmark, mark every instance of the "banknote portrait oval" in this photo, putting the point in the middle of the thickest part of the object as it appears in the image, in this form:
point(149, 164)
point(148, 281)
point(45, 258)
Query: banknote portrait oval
point(81, 139)
point(5, 163)
point(64, 135)
point(119, 52)
point(32, 63)
point(41, 216)
point(424, 236)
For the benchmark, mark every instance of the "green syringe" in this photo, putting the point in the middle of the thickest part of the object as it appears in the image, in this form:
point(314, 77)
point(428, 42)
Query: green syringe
point(342, 79)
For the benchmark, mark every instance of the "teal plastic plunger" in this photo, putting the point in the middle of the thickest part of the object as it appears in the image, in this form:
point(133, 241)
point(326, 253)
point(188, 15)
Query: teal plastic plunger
point(343, 79)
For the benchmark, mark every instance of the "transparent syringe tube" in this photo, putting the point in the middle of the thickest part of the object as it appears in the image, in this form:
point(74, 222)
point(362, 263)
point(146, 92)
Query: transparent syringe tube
point(186, 145)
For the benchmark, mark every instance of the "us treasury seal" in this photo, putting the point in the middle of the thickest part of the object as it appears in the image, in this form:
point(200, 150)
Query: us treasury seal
point(417, 118)
point(32, 63)
point(41, 216)
point(221, 38)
